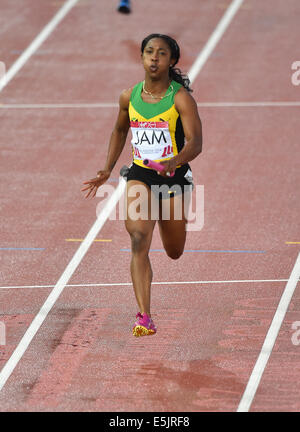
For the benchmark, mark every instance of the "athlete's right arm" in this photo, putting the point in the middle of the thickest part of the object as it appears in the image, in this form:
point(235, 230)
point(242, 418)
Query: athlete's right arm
point(116, 145)
point(119, 133)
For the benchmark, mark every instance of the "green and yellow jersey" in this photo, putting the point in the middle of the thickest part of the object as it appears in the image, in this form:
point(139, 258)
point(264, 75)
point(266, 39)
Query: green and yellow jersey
point(157, 131)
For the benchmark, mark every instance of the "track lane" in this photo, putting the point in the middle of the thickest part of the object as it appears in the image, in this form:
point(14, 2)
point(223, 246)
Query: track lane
point(256, 65)
point(257, 72)
point(19, 25)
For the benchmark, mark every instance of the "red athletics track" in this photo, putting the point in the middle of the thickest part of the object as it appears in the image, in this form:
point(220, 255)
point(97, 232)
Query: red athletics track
point(84, 358)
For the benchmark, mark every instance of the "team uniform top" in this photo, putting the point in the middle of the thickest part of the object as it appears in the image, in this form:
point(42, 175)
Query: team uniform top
point(157, 131)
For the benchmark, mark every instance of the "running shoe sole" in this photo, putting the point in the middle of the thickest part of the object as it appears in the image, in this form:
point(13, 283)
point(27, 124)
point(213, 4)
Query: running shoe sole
point(140, 330)
point(124, 9)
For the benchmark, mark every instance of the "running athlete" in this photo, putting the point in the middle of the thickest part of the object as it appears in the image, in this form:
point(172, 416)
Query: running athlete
point(124, 6)
point(166, 128)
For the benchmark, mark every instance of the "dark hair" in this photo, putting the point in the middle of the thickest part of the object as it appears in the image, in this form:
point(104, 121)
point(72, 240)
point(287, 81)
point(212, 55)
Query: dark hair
point(174, 73)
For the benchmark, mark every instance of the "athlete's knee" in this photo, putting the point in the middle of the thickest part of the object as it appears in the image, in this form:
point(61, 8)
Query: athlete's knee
point(139, 241)
point(174, 253)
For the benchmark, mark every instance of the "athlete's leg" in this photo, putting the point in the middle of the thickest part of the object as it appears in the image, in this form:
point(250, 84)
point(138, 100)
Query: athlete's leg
point(140, 231)
point(172, 224)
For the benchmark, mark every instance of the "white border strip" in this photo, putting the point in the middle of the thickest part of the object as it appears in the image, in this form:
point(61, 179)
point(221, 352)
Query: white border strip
point(270, 339)
point(89, 285)
point(34, 46)
point(115, 105)
point(214, 38)
point(55, 293)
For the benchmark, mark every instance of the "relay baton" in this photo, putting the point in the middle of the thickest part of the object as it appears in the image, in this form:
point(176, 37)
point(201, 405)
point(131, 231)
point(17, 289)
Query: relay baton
point(156, 166)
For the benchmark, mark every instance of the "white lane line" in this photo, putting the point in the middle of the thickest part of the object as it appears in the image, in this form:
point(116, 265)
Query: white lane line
point(270, 339)
point(36, 43)
point(115, 105)
point(38, 320)
point(214, 38)
point(55, 293)
point(153, 283)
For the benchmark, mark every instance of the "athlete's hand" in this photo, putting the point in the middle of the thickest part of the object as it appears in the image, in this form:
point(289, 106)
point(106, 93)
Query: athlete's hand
point(93, 184)
point(169, 167)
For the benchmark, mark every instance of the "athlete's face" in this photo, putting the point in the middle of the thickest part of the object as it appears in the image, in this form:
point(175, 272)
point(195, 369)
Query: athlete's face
point(157, 58)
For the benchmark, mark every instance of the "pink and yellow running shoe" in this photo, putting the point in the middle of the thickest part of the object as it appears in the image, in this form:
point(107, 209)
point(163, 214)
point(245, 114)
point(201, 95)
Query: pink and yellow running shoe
point(144, 326)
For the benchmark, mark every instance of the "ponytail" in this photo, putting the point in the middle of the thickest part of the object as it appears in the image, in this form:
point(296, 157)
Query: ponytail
point(176, 75)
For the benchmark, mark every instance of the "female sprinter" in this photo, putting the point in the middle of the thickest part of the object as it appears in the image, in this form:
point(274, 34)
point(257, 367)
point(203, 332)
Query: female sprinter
point(166, 127)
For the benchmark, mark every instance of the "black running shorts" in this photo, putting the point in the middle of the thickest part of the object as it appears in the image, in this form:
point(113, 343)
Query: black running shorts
point(163, 187)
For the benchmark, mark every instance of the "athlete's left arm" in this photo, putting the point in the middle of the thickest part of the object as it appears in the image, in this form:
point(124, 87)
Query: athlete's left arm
point(187, 108)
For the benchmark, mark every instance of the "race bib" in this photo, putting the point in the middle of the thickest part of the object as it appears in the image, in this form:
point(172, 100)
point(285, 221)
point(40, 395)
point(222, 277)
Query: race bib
point(151, 140)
